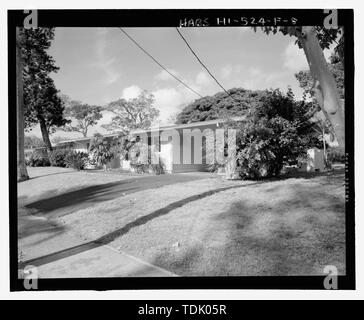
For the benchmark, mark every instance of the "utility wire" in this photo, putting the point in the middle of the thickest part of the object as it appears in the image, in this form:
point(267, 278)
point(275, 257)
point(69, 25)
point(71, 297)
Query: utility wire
point(157, 62)
point(199, 60)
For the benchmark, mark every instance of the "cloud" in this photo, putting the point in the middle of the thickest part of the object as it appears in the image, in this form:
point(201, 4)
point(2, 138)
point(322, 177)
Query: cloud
point(232, 71)
point(257, 79)
point(203, 79)
point(131, 92)
point(169, 100)
point(104, 63)
point(255, 72)
point(294, 58)
point(226, 71)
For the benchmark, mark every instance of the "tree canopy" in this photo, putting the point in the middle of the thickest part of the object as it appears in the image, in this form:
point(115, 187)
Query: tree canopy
point(220, 105)
point(137, 113)
point(84, 116)
point(41, 101)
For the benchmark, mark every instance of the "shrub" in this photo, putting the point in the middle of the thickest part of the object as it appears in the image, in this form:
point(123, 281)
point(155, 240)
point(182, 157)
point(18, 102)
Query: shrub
point(214, 167)
point(139, 167)
point(156, 168)
point(37, 159)
point(147, 168)
point(257, 161)
point(57, 157)
point(105, 149)
point(140, 159)
point(76, 160)
point(335, 155)
point(274, 133)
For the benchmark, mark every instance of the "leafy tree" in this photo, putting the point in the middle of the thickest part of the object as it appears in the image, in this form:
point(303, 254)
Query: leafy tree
point(137, 113)
point(276, 131)
point(313, 40)
point(336, 67)
point(41, 100)
point(84, 115)
point(236, 103)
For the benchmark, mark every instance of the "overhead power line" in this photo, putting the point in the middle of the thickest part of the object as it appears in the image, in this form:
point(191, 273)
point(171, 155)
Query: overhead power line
point(157, 62)
point(199, 60)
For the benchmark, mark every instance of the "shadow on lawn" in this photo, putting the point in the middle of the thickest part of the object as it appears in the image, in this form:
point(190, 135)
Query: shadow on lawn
point(71, 201)
point(119, 232)
point(83, 198)
point(29, 224)
point(300, 236)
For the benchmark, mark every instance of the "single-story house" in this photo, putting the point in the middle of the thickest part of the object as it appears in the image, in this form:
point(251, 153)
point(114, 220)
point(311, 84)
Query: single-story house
point(188, 147)
point(181, 147)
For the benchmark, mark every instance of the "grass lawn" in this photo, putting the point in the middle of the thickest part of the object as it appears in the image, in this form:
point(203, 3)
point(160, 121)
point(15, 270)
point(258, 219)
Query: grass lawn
point(214, 227)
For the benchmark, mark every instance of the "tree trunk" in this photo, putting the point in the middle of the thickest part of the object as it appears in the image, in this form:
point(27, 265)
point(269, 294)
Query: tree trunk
point(329, 100)
point(22, 169)
point(45, 134)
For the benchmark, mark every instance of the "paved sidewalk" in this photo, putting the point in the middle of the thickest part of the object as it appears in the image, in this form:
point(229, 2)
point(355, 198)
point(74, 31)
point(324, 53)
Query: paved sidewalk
point(103, 261)
point(58, 252)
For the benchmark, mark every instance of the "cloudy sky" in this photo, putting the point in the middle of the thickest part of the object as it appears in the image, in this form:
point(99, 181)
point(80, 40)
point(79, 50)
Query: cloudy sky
point(99, 65)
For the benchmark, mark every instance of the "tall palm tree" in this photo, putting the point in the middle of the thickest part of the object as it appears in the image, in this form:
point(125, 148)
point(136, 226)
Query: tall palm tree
point(22, 169)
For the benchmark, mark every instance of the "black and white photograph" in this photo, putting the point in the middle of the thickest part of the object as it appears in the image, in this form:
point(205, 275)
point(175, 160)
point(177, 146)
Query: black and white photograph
point(181, 149)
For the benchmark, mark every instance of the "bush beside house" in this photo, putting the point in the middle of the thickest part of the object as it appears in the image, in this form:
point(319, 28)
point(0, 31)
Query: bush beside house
point(64, 158)
point(57, 157)
point(276, 132)
point(76, 160)
point(37, 158)
point(141, 156)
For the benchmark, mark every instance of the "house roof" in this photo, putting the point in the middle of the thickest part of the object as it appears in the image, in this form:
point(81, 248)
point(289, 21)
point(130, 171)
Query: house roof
point(159, 128)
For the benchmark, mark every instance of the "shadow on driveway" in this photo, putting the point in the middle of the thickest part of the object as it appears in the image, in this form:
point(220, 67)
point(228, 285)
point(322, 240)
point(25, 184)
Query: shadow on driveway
point(75, 200)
